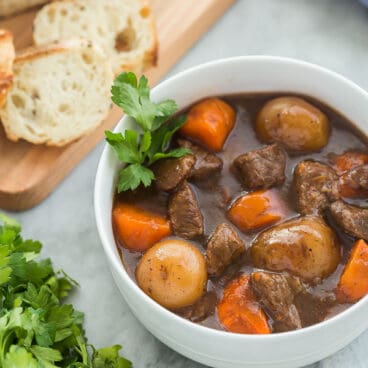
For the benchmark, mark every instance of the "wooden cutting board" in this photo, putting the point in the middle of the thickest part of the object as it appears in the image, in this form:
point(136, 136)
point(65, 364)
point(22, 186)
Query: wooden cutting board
point(29, 173)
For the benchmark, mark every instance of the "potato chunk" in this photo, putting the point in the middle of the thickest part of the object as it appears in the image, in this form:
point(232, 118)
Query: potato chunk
point(305, 246)
point(293, 122)
point(172, 272)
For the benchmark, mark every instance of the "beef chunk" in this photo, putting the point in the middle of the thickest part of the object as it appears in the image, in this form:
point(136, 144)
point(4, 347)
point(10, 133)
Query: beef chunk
point(354, 183)
point(277, 297)
point(185, 216)
point(201, 309)
point(223, 248)
point(171, 172)
point(296, 285)
point(314, 308)
point(261, 168)
point(316, 186)
point(353, 220)
point(206, 163)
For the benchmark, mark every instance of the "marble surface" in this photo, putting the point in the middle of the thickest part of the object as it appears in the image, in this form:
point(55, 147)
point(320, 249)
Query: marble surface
point(332, 33)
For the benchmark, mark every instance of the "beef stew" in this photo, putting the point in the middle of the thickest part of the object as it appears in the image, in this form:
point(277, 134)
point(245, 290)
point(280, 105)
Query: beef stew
point(276, 263)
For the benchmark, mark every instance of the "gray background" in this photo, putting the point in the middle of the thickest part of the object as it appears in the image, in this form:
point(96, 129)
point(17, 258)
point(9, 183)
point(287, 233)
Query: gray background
point(332, 33)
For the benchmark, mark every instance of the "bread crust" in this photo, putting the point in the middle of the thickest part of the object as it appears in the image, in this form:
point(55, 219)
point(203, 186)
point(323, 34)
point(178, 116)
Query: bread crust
point(36, 52)
point(13, 7)
point(7, 55)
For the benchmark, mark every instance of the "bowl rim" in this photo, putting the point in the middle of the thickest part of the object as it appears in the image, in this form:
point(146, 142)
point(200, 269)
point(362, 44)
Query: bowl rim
point(115, 260)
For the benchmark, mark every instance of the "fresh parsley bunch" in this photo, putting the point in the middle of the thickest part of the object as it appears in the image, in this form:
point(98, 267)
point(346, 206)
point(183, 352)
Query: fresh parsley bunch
point(36, 329)
point(139, 150)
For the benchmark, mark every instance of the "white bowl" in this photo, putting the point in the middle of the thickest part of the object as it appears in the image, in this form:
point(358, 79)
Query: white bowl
point(218, 348)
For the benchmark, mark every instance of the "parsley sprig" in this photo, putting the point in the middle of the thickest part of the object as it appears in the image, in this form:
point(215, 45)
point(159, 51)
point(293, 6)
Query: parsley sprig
point(37, 330)
point(139, 150)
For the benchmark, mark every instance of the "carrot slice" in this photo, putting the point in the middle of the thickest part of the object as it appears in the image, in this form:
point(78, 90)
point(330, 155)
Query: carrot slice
point(239, 311)
point(138, 229)
point(347, 191)
point(257, 209)
point(354, 183)
point(209, 122)
point(348, 161)
point(353, 283)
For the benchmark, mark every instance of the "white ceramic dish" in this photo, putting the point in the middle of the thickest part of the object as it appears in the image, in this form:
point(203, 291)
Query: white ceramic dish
point(217, 348)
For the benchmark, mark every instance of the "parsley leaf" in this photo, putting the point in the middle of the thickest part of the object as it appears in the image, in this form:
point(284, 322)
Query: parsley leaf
point(146, 142)
point(19, 357)
point(132, 176)
point(46, 355)
point(9, 222)
point(138, 151)
point(5, 270)
point(109, 357)
point(175, 153)
point(125, 146)
point(36, 329)
point(161, 139)
point(134, 98)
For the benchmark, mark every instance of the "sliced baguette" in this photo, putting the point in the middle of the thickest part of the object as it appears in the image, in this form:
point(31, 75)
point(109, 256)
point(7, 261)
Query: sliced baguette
point(123, 28)
point(60, 93)
point(10, 7)
point(7, 55)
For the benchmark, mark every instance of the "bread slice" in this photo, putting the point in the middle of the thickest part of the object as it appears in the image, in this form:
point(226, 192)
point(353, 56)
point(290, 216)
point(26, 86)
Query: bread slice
point(7, 55)
point(60, 93)
point(123, 28)
point(10, 7)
